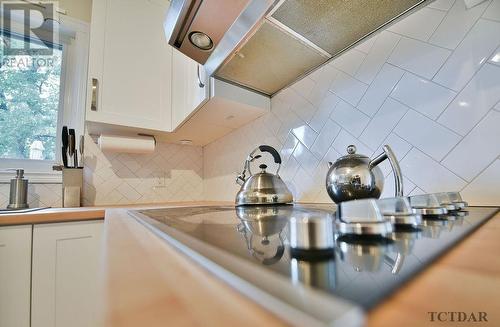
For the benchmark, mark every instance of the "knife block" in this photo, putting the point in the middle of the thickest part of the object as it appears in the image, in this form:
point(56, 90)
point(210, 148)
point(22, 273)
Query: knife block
point(72, 187)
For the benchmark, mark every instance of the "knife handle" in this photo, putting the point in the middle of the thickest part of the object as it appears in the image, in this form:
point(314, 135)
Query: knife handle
point(64, 155)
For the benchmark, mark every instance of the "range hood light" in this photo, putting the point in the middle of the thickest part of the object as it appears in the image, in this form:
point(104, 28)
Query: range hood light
point(201, 41)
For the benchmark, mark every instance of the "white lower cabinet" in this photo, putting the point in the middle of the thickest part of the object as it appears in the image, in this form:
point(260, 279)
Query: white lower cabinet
point(15, 276)
point(65, 273)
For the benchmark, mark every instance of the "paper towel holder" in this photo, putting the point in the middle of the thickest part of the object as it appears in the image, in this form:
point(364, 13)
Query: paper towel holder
point(95, 137)
point(148, 135)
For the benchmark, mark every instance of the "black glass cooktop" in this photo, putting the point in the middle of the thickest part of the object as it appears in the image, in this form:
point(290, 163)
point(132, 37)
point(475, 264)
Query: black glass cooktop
point(361, 270)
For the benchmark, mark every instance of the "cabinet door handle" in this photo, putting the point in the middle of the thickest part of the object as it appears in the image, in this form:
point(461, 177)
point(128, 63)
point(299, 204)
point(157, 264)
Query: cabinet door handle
point(200, 83)
point(95, 92)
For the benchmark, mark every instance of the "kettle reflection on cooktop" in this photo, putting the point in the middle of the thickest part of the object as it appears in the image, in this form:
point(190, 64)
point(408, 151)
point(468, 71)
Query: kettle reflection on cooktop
point(362, 270)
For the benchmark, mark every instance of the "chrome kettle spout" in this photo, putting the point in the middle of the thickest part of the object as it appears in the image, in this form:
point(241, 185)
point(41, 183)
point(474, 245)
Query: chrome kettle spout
point(240, 179)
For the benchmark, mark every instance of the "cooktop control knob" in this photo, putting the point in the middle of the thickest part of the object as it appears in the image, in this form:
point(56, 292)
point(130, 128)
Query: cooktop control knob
point(311, 235)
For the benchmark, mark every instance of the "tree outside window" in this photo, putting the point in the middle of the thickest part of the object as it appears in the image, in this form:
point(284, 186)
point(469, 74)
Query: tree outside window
point(29, 103)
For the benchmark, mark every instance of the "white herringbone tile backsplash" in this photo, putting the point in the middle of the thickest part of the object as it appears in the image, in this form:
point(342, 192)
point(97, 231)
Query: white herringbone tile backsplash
point(429, 86)
point(172, 173)
point(39, 195)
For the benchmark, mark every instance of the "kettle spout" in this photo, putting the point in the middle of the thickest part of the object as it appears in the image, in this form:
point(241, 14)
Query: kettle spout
point(240, 180)
point(377, 160)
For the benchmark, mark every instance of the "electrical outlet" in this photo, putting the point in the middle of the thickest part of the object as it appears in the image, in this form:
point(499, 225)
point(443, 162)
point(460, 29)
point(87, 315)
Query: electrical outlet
point(160, 180)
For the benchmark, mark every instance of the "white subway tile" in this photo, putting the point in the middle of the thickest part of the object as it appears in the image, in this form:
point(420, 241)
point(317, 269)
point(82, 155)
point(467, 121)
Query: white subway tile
point(423, 95)
point(475, 49)
point(289, 169)
point(289, 121)
point(418, 57)
point(288, 147)
point(323, 77)
point(366, 45)
point(304, 184)
point(381, 87)
point(305, 158)
point(477, 150)
point(304, 109)
point(344, 139)
point(495, 57)
point(379, 52)
point(484, 189)
point(325, 139)
point(389, 190)
point(286, 98)
point(306, 135)
point(348, 88)
point(428, 174)
point(128, 192)
point(427, 135)
point(475, 100)
point(416, 191)
point(279, 107)
point(493, 11)
point(332, 155)
point(272, 122)
point(350, 118)
point(304, 86)
point(400, 148)
point(441, 4)
point(349, 61)
point(382, 124)
point(323, 113)
point(456, 24)
point(419, 25)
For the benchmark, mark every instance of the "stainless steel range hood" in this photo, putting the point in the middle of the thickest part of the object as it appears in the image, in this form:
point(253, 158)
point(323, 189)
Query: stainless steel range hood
point(266, 45)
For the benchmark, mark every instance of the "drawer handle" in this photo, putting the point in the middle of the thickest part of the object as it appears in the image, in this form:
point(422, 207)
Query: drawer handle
point(200, 83)
point(95, 89)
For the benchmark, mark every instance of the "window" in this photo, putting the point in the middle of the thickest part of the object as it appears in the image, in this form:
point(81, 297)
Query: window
point(30, 87)
point(40, 93)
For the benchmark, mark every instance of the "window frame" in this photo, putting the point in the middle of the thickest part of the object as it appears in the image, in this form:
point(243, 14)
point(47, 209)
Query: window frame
point(74, 37)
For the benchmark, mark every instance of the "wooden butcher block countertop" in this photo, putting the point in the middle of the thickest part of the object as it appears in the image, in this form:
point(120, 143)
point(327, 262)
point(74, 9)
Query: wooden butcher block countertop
point(149, 283)
point(51, 215)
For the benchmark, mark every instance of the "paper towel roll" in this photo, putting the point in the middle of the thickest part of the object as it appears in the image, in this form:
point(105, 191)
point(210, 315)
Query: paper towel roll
point(126, 144)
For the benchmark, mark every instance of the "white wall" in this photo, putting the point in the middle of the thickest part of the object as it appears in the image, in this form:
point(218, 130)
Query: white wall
point(428, 86)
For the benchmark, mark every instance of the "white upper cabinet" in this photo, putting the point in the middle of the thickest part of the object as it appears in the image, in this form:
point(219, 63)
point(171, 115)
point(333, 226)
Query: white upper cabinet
point(190, 88)
point(139, 83)
point(130, 65)
point(15, 276)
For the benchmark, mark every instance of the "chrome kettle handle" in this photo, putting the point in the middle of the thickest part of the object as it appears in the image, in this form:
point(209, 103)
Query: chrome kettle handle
point(398, 176)
point(241, 178)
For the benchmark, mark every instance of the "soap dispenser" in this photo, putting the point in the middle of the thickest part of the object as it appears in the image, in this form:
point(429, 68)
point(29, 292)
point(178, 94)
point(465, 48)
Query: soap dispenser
point(18, 198)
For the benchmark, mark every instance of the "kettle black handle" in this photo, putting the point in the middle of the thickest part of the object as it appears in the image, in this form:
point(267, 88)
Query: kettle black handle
point(272, 151)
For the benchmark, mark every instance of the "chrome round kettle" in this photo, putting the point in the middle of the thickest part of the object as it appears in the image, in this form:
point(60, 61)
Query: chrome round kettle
point(356, 176)
point(262, 187)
